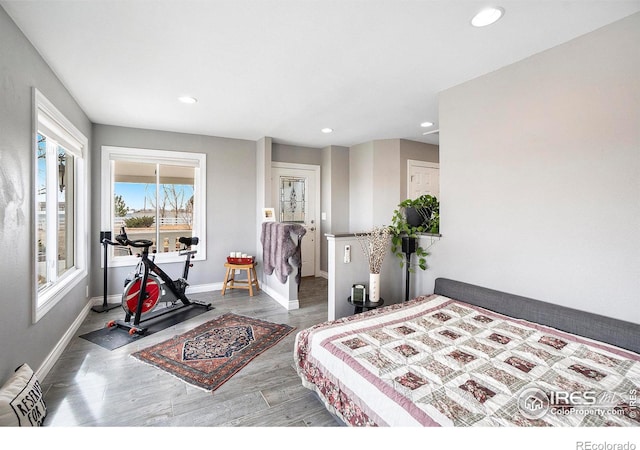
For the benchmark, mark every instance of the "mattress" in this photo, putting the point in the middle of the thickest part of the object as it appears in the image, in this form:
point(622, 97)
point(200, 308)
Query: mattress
point(437, 361)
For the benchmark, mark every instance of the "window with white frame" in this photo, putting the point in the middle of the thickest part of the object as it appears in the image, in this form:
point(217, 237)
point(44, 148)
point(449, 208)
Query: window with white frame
point(154, 194)
point(60, 205)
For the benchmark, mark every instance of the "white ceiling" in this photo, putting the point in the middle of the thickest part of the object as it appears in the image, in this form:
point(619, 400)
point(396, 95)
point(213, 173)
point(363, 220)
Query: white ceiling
point(369, 69)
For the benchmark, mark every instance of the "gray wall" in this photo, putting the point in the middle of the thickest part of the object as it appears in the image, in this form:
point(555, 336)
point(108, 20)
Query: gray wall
point(360, 187)
point(335, 203)
point(374, 174)
point(378, 179)
point(231, 198)
point(385, 180)
point(22, 68)
point(296, 154)
point(263, 191)
point(540, 176)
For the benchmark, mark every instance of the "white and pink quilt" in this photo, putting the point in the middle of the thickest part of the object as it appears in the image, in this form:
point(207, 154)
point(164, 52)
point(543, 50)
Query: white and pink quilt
point(435, 361)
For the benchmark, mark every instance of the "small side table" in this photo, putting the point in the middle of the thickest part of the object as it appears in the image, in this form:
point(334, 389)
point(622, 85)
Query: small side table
point(230, 281)
point(366, 305)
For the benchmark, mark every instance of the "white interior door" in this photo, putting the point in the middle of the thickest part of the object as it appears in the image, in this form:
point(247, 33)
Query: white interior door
point(295, 199)
point(423, 178)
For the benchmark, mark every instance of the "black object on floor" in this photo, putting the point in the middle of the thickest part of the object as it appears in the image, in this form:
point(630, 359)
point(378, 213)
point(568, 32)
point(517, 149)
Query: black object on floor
point(116, 337)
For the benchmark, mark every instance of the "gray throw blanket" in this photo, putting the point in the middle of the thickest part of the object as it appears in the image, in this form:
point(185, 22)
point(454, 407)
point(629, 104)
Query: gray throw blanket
point(281, 243)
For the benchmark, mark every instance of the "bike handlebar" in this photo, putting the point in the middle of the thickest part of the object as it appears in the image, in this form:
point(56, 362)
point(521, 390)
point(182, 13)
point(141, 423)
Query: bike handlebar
point(123, 239)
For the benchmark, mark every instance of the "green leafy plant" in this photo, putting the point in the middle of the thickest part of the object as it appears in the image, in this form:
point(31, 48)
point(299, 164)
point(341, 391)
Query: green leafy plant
point(411, 217)
point(139, 222)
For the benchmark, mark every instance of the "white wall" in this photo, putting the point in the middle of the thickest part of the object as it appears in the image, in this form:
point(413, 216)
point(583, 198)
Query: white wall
point(540, 176)
point(334, 172)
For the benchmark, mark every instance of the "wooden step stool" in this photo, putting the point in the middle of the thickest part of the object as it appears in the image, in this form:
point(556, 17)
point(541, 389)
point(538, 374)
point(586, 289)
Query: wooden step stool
point(231, 283)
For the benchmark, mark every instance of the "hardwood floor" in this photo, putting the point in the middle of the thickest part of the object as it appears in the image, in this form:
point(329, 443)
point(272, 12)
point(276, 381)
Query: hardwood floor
point(91, 386)
point(94, 390)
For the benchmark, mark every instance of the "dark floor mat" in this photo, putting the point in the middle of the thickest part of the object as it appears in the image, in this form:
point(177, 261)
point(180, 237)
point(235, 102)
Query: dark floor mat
point(115, 337)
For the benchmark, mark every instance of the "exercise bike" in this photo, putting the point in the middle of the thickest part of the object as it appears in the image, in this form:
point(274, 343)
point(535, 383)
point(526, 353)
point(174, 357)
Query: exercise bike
point(145, 289)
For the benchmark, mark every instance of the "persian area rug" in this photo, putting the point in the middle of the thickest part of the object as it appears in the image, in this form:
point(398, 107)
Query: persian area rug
point(210, 354)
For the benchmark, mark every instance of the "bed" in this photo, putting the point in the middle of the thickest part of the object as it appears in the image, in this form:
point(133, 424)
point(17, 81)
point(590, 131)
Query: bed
point(471, 356)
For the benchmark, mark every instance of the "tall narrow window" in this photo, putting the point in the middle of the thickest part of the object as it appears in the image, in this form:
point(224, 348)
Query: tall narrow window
point(155, 195)
point(60, 208)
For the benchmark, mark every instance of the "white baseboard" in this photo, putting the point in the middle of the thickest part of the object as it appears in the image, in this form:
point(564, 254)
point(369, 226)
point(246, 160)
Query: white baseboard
point(285, 302)
point(209, 287)
point(324, 274)
point(96, 301)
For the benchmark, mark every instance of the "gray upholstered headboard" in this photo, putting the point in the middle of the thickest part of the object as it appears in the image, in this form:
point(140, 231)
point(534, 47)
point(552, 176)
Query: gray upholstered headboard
point(605, 329)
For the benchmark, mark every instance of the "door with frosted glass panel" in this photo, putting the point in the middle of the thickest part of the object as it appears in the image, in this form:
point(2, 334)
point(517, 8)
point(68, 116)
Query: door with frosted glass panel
point(294, 201)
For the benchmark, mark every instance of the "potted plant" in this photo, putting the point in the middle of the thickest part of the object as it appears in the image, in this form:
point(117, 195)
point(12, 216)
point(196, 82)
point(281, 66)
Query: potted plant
point(414, 216)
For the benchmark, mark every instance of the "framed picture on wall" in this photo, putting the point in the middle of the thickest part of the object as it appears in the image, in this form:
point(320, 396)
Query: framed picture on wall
point(268, 215)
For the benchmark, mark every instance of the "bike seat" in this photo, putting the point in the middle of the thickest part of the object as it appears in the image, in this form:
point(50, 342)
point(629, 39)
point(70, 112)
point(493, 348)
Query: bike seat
point(189, 241)
point(139, 243)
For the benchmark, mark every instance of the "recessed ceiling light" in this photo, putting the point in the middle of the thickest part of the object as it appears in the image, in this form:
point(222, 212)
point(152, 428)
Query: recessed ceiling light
point(426, 124)
point(487, 16)
point(327, 130)
point(188, 100)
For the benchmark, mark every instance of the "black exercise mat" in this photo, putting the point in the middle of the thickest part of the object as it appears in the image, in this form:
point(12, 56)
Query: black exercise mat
point(115, 337)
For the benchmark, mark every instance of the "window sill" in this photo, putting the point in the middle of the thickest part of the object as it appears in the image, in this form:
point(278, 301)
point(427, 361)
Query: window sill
point(51, 296)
